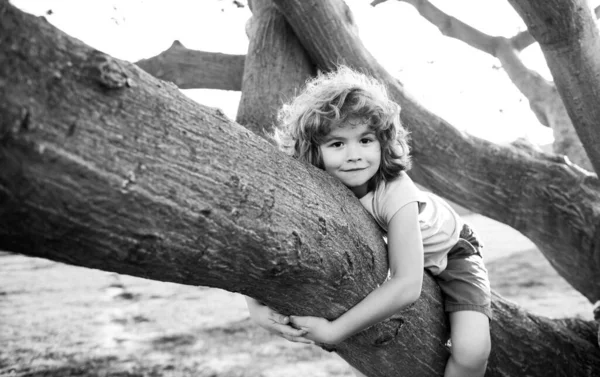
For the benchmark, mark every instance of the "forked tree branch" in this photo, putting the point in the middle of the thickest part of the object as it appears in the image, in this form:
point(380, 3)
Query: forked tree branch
point(542, 95)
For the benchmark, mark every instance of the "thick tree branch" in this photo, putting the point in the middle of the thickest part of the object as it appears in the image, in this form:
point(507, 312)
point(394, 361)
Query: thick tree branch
point(550, 201)
point(103, 166)
point(191, 69)
point(569, 38)
point(276, 67)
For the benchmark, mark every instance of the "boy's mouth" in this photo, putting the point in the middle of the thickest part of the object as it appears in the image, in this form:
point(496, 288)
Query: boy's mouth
point(351, 170)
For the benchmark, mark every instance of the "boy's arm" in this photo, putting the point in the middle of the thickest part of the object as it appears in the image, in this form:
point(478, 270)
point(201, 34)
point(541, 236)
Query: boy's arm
point(274, 322)
point(405, 254)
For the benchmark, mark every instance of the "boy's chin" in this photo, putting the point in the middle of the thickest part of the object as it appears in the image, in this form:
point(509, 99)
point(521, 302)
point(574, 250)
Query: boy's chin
point(359, 188)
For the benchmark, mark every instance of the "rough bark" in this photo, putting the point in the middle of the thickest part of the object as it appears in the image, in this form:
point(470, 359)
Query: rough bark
point(524, 39)
point(542, 95)
point(102, 165)
point(276, 62)
point(191, 69)
point(552, 202)
point(569, 38)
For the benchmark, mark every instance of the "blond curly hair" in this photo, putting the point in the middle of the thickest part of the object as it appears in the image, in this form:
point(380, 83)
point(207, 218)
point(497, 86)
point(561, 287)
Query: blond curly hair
point(333, 98)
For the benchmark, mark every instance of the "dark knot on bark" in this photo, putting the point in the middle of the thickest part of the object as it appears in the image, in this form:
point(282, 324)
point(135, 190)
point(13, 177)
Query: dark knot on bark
point(108, 71)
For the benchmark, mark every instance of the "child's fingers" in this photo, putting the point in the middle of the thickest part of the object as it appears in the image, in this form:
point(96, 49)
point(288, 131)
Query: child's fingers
point(299, 339)
point(290, 331)
point(299, 322)
point(279, 318)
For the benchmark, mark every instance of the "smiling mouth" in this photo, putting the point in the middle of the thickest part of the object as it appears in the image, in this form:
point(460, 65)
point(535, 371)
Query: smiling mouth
point(351, 170)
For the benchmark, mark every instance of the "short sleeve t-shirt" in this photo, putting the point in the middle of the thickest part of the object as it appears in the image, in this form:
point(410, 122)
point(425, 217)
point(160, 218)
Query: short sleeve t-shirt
point(440, 224)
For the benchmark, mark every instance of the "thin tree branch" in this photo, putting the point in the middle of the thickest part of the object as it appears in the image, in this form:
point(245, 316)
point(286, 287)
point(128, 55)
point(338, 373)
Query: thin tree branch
point(472, 36)
point(542, 95)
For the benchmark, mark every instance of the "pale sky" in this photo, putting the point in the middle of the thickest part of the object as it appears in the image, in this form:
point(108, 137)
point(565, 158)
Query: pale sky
point(461, 84)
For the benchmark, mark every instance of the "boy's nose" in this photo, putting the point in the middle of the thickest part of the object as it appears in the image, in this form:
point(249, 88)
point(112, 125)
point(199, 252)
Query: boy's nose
point(353, 154)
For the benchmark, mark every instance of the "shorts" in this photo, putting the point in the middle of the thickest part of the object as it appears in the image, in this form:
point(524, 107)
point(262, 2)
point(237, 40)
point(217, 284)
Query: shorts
point(464, 282)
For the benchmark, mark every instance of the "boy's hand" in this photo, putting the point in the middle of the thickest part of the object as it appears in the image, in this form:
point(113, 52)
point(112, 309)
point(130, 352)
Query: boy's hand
point(318, 329)
point(278, 324)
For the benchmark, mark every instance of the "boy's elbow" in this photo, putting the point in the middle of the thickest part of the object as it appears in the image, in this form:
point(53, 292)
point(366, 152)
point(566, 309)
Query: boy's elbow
point(410, 291)
point(414, 294)
point(413, 291)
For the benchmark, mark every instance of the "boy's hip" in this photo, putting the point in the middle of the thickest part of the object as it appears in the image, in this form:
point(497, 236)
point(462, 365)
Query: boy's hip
point(465, 281)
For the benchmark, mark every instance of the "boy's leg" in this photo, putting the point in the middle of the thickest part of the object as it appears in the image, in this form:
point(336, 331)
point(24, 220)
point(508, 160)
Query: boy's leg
point(471, 344)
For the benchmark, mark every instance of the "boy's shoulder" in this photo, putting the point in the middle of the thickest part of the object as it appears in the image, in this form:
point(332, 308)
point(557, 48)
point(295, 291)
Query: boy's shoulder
point(392, 195)
point(401, 183)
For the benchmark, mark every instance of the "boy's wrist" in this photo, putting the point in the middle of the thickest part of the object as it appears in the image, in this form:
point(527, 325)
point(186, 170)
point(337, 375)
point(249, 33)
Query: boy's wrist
point(338, 332)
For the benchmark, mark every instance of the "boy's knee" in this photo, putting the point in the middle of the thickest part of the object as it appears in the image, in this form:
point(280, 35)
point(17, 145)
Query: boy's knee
point(469, 354)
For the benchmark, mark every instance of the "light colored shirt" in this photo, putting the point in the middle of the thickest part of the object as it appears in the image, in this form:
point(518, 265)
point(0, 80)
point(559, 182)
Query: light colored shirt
point(440, 224)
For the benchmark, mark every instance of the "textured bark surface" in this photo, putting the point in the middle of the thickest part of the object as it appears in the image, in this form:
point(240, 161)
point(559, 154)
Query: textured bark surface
point(102, 165)
point(191, 69)
point(553, 203)
point(276, 63)
point(569, 38)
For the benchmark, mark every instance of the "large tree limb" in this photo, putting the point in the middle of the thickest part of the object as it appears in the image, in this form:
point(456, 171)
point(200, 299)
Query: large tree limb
point(103, 166)
point(569, 38)
point(192, 69)
point(550, 201)
point(276, 67)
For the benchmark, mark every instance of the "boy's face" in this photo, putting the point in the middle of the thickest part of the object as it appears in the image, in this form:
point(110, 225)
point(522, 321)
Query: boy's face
point(352, 153)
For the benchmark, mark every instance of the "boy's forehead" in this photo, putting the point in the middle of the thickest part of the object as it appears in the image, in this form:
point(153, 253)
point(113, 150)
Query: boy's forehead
point(352, 122)
point(345, 129)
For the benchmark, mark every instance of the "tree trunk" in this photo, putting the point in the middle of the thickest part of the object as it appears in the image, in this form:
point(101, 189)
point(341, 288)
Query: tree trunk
point(276, 63)
point(103, 166)
point(191, 69)
point(568, 36)
point(553, 203)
